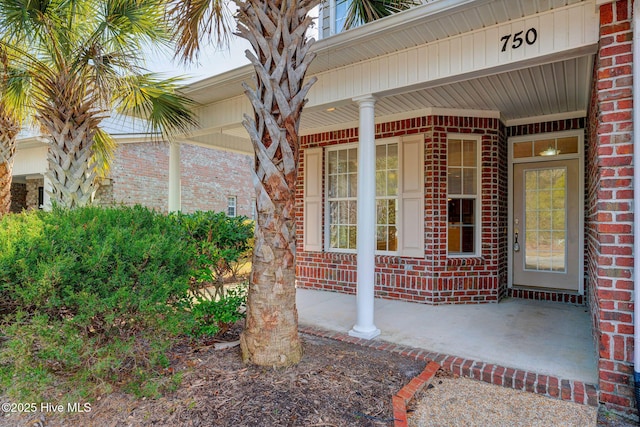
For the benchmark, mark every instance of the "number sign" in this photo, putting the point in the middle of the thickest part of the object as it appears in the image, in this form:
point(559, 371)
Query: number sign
point(515, 41)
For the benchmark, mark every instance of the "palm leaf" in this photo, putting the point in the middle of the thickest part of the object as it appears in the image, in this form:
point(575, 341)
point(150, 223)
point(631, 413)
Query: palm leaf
point(104, 147)
point(159, 102)
point(198, 20)
point(364, 11)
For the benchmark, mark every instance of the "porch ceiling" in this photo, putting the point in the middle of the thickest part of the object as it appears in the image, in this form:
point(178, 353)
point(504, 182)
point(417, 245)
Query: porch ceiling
point(555, 89)
point(542, 92)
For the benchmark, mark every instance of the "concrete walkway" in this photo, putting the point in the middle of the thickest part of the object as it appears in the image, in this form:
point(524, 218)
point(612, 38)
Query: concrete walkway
point(543, 337)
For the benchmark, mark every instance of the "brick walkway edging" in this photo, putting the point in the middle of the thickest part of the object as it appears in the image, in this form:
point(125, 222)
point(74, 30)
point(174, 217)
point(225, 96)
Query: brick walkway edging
point(404, 396)
point(518, 379)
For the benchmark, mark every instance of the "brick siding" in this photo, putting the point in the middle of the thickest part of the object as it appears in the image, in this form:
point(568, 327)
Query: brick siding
point(140, 175)
point(609, 200)
point(435, 278)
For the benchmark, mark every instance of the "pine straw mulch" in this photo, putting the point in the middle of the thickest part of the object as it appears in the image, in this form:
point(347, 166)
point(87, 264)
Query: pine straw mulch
point(336, 384)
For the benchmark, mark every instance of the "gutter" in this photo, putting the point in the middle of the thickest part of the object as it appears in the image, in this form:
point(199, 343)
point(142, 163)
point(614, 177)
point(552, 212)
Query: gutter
point(636, 202)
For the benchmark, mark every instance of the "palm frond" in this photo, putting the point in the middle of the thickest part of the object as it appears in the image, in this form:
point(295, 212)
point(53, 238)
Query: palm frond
point(159, 102)
point(132, 24)
point(196, 21)
point(104, 147)
point(363, 11)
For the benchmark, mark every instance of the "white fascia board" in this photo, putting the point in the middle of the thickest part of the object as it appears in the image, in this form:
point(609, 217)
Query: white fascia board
point(425, 112)
point(548, 118)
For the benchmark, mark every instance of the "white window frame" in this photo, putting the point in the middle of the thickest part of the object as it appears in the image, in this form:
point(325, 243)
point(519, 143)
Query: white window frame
point(325, 189)
point(477, 197)
point(327, 221)
point(333, 6)
point(232, 203)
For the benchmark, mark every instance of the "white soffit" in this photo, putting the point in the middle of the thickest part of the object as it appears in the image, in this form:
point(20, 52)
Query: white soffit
point(545, 90)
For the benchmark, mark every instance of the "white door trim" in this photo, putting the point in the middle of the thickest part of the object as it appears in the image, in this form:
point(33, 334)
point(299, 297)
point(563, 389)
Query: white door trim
point(581, 183)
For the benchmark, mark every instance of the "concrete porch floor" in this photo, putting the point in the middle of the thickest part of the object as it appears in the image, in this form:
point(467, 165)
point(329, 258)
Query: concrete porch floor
point(543, 337)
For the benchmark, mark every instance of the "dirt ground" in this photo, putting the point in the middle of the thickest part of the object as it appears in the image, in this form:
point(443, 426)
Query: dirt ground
point(336, 384)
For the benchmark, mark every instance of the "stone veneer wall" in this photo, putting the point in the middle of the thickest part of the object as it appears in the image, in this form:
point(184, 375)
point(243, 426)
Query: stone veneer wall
point(32, 192)
point(18, 197)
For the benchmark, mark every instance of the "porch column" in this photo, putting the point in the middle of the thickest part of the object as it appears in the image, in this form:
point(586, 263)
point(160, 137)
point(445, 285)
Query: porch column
point(46, 193)
point(364, 327)
point(175, 202)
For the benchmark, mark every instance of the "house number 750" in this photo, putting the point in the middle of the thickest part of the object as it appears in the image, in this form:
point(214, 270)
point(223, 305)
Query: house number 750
point(518, 40)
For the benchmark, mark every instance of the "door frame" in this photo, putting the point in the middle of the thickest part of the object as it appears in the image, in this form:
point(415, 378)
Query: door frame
point(581, 184)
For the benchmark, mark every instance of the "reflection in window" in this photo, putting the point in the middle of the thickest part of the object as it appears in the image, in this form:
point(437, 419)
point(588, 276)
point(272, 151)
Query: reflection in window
point(545, 147)
point(342, 186)
point(341, 12)
point(386, 197)
point(462, 184)
point(342, 179)
point(545, 219)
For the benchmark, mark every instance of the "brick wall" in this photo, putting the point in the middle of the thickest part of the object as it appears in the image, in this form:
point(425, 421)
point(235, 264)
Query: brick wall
point(140, 175)
point(609, 198)
point(434, 279)
point(18, 197)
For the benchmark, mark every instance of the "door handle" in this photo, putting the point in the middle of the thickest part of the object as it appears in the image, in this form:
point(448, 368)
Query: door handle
point(516, 245)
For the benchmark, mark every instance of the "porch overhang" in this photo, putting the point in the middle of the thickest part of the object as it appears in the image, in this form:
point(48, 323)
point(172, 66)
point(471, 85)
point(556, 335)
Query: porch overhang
point(455, 56)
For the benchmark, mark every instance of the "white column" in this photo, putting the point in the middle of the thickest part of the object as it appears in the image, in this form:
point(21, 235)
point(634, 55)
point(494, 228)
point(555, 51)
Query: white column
point(364, 327)
point(175, 202)
point(46, 193)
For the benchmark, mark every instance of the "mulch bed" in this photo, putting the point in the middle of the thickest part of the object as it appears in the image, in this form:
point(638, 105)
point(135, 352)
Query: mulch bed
point(336, 384)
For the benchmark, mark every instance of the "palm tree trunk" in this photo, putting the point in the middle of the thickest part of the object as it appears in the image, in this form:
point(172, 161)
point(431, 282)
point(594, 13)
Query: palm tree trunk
point(71, 122)
point(9, 129)
point(276, 30)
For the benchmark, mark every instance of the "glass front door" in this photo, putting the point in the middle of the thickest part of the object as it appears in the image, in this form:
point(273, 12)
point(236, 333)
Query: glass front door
point(546, 208)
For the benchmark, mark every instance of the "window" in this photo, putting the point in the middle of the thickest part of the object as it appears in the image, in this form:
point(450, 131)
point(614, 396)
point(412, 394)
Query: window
point(387, 197)
point(231, 205)
point(341, 11)
point(334, 16)
point(331, 182)
point(463, 202)
point(342, 179)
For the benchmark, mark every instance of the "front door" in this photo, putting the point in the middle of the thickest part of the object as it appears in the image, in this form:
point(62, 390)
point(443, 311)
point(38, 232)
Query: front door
point(546, 226)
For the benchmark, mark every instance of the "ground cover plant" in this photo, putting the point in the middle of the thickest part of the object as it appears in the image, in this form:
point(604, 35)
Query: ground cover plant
point(92, 300)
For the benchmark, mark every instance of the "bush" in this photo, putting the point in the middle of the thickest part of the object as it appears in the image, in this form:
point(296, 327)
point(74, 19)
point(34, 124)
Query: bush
point(214, 316)
point(221, 244)
point(90, 297)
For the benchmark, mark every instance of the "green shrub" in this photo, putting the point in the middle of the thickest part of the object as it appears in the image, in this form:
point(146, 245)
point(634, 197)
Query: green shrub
point(221, 244)
point(214, 316)
point(90, 297)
